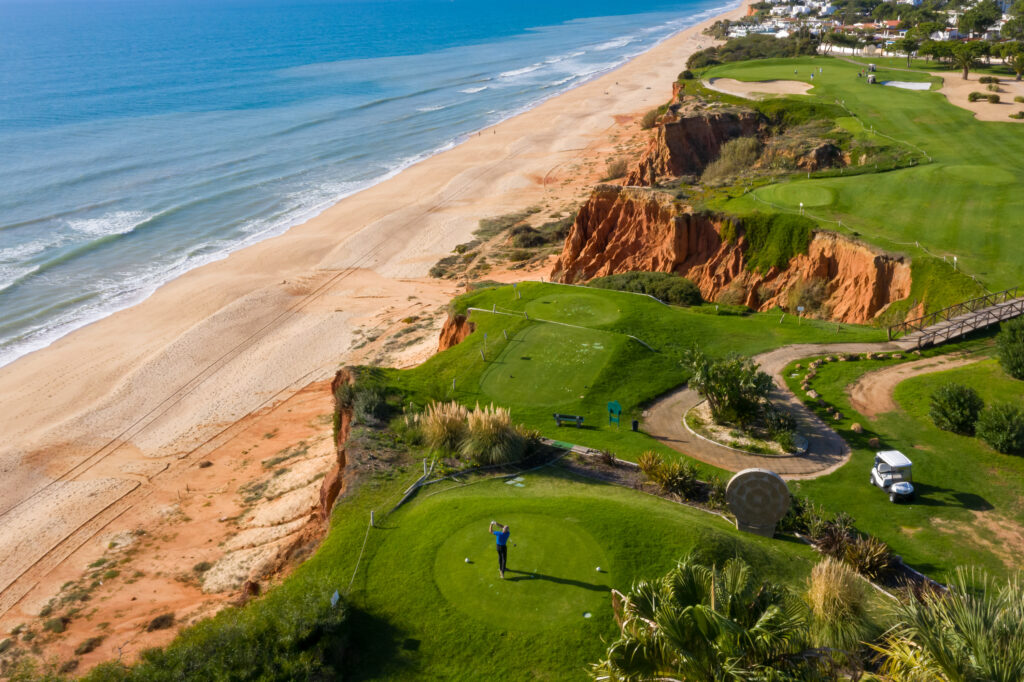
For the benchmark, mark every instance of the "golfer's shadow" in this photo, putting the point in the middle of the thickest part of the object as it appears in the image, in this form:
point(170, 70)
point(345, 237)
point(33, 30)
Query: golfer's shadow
point(525, 575)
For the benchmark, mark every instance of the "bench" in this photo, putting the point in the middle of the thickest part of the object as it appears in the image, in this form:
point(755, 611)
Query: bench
point(559, 418)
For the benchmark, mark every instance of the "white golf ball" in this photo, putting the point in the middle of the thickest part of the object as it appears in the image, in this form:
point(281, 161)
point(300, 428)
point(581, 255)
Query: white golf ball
point(598, 569)
point(467, 560)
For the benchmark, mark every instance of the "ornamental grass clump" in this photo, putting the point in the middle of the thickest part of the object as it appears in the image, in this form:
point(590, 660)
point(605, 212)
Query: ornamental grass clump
point(491, 438)
point(836, 596)
point(444, 426)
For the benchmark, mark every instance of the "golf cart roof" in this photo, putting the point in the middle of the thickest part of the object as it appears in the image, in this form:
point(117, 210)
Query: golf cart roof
point(894, 458)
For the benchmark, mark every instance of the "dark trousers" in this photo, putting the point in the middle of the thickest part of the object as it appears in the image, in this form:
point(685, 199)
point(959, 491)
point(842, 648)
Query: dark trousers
point(502, 557)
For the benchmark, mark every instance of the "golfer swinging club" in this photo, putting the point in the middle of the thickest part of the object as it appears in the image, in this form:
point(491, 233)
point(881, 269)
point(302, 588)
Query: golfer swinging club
point(502, 536)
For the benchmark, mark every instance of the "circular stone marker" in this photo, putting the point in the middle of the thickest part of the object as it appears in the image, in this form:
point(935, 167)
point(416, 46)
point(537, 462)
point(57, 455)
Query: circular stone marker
point(549, 581)
point(758, 498)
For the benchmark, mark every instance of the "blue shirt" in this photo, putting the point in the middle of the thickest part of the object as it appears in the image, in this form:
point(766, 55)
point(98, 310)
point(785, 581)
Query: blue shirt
point(502, 536)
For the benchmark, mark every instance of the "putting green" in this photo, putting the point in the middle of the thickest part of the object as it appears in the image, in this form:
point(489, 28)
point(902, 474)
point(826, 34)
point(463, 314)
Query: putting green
point(981, 175)
point(551, 578)
point(548, 364)
point(792, 193)
point(575, 307)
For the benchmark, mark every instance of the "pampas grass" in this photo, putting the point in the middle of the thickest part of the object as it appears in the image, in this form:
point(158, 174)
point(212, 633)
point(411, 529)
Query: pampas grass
point(444, 426)
point(491, 437)
point(836, 595)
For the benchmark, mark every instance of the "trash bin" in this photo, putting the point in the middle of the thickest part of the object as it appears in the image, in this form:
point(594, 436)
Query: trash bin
point(636, 425)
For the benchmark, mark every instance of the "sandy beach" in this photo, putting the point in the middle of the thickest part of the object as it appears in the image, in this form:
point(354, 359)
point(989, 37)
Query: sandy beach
point(102, 424)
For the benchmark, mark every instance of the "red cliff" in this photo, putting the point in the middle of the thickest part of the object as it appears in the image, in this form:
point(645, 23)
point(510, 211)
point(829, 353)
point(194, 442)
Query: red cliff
point(455, 329)
point(627, 228)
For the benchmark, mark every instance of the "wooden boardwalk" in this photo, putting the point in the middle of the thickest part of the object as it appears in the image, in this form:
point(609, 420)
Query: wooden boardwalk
point(959, 320)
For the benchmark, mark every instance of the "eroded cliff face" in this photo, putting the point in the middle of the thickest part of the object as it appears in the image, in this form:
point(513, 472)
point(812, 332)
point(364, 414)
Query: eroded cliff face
point(621, 229)
point(333, 482)
point(455, 329)
point(687, 144)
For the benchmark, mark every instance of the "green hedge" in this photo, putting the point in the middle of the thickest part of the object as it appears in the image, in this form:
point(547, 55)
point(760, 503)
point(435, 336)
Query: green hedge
point(664, 286)
point(773, 239)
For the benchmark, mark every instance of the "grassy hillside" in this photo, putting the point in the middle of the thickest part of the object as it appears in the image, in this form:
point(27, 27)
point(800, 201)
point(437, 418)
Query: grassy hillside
point(623, 347)
point(966, 202)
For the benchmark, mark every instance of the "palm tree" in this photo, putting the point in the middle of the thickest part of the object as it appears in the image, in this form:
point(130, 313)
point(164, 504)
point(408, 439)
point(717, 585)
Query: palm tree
point(967, 634)
point(964, 56)
point(701, 623)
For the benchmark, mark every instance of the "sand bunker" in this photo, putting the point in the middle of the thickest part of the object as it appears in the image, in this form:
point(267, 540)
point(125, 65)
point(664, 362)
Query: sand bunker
point(757, 89)
point(956, 90)
point(908, 85)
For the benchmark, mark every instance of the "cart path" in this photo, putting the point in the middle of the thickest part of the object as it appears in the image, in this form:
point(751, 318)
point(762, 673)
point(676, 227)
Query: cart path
point(826, 451)
point(872, 394)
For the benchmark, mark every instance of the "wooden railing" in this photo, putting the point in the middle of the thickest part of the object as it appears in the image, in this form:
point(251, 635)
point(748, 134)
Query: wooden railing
point(941, 333)
point(974, 305)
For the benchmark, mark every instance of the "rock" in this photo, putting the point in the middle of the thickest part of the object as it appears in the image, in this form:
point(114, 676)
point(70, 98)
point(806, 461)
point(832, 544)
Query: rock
point(205, 464)
point(811, 375)
point(798, 366)
point(837, 416)
point(874, 443)
point(917, 353)
point(897, 356)
point(812, 394)
point(829, 358)
point(621, 229)
point(250, 588)
point(455, 329)
point(857, 428)
point(842, 358)
point(690, 143)
point(805, 387)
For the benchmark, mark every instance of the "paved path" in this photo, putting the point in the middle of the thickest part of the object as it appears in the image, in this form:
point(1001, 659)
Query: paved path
point(826, 451)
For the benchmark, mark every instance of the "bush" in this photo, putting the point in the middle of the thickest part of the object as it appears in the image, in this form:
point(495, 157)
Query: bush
point(834, 535)
point(1019, 115)
point(809, 294)
point(370, 405)
point(752, 47)
point(786, 440)
point(955, 408)
point(870, 557)
point(650, 462)
point(663, 286)
point(1019, 99)
point(716, 492)
point(678, 477)
point(992, 99)
point(1010, 347)
point(525, 237)
point(1001, 426)
point(992, 87)
point(55, 625)
point(686, 75)
point(649, 119)
point(490, 437)
point(773, 239)
point(443, 426)
point(616, 168)
point(161, 622)
point(988, 80)
point(734, 157)
point(88, 645)
point(975, 96)
point(734, 386)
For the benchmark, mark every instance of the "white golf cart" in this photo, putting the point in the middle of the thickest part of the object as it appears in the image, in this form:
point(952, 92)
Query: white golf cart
point(891, 473)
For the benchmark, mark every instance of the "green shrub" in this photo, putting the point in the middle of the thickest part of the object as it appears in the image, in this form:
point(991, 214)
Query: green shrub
point(88, 645)
point(773, 239)
point(686, 75)
point(161, 622)
point(1001, 426)
point(809, 294)
point(988, 80)
point(1019, 99)
point(755, 46)
point(678, 477)
point(519, 255)
point(955, 408)
point(975, 96)
point(734, 387)
point(992, 99)
point(870, 557)
point(734, 157)
point(526, 237)
point(786, 440)
point(56, 625)
point(992, 87)
point(649, 119)
point(663, 286)
point(1019, 115)
point(1010, 347)
point(650, 462)
point(6, 645)
point(370, 405)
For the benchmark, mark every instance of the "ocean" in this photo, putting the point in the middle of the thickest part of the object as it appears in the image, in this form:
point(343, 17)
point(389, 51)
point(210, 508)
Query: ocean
point(142, 138)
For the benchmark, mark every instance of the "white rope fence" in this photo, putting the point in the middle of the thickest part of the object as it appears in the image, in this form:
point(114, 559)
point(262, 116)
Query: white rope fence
point(516, 313)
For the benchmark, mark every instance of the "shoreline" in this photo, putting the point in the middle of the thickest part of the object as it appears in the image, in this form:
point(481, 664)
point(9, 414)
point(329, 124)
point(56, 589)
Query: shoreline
point(149, 387)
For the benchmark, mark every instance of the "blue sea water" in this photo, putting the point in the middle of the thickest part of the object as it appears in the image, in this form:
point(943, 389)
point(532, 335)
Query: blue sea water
point(142, 138)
